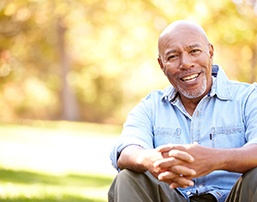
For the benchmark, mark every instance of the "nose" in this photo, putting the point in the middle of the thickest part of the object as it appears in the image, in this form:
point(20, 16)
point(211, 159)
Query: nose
point(186, 61)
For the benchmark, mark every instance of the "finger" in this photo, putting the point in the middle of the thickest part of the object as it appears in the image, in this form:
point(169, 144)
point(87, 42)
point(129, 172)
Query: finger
point(174, 180)
point(165, 148)
point(165, 154)
point(174, 185)
point(169, 162)
point(183, 170)
point(175, 151)
point(182, 155)
point(176, 171)
point(183, 182)
point(168, 147)
point(166, 162)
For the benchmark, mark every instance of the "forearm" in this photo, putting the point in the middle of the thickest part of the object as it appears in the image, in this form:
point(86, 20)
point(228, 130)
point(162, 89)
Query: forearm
point(238, 159)
point(130, 158)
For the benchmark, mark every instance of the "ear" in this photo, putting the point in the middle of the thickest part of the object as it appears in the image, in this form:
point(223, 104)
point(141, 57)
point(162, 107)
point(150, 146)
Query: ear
point(161, 65)
point(211, 51)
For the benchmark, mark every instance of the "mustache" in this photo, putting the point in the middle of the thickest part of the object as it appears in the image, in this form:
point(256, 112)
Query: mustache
point(188, 73)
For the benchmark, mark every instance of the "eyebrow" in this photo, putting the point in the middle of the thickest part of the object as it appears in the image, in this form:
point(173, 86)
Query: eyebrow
point(194, 46)
point(171, 51)
point(188, 47)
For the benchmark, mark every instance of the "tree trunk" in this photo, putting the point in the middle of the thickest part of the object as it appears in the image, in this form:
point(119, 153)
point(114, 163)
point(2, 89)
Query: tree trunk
point(68, 100)
point(254, 65)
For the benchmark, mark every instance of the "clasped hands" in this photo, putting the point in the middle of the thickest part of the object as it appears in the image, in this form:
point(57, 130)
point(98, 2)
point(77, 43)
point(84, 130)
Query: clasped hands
point(179, 164)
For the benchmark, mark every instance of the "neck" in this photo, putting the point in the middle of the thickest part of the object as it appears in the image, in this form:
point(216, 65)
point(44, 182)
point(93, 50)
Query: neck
point(190, 104)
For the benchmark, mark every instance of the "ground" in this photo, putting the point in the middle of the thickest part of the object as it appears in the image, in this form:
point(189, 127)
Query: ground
point(57, 151)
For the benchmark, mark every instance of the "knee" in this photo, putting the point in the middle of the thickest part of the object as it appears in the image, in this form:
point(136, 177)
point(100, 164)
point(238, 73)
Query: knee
point(251, 173)
point(125, 173)
point(126, 176)
point(250, 177)
point(132, 177)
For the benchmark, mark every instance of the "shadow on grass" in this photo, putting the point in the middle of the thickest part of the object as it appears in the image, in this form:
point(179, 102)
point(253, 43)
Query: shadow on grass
point(64, 182)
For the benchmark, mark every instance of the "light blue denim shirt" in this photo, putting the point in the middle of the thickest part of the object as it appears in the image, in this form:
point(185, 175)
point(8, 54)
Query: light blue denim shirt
point(225, 118)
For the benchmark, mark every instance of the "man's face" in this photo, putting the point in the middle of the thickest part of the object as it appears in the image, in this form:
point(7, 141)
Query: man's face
point(186, 59)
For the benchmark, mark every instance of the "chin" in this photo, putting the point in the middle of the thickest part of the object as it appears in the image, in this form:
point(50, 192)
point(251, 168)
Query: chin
point(197, 93)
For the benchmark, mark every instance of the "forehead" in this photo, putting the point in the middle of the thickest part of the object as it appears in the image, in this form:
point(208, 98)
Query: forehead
point(182, 37)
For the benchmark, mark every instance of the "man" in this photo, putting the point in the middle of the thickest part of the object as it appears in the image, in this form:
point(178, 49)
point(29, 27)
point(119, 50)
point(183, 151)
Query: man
point(194, 140)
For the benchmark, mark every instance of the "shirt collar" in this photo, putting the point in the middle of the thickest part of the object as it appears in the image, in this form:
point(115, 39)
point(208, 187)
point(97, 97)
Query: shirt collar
point(220, 87)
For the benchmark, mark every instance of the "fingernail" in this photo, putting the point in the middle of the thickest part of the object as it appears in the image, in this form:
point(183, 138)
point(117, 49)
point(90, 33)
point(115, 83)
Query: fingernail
point(193, 172)
point(191, 183)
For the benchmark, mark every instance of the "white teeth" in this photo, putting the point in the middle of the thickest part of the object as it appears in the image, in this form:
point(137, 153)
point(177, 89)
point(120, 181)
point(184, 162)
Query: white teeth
point(190, 77)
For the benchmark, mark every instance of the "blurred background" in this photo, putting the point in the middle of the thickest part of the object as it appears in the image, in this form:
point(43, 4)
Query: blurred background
point(92, 60)
point(70, 72)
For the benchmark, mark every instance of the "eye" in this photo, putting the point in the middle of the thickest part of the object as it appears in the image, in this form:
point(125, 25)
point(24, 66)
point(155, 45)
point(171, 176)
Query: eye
point(195, 51)
point(172, 57)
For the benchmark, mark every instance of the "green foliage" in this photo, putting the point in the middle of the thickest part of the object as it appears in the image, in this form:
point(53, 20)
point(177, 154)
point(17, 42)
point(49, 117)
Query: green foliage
point(102, 54)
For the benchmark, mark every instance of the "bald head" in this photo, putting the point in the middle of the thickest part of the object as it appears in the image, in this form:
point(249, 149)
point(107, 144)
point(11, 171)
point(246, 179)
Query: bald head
point(179, 27)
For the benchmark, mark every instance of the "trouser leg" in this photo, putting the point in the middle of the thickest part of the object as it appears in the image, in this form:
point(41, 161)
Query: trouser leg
point(141, 187)
point(245, 190)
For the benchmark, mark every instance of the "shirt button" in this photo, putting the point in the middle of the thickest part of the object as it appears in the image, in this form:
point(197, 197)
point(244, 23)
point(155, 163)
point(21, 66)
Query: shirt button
point(188, 193)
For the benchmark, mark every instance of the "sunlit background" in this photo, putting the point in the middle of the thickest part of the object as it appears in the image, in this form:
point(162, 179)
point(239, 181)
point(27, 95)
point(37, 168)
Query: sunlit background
point(70, 72)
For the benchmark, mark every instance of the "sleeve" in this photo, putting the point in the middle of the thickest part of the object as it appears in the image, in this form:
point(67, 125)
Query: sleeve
point(137, 130)
point(251, 117)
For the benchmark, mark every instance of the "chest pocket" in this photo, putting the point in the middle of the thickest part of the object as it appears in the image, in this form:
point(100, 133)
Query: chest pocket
point(231, 136)
point(166, 135)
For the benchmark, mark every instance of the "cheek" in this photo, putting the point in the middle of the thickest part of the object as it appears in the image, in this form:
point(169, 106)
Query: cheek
point(171, 78)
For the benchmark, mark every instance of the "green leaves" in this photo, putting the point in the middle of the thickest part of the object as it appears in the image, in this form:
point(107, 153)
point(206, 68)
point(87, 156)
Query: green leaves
point(110, 52)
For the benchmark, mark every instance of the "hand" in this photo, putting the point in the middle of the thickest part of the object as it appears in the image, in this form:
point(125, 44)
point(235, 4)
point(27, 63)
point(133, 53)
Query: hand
point(136, 158)
point(174, 167)
point(147, 158)
point(189, 160)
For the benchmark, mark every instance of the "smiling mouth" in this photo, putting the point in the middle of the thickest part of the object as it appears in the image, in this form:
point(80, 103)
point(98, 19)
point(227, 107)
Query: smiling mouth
point(191, 77)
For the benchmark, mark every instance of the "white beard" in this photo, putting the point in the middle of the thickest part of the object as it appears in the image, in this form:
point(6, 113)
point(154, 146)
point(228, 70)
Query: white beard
point(196, 93)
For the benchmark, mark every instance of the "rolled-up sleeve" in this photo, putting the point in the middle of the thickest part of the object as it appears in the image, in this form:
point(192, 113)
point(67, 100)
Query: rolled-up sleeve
point(137, 130)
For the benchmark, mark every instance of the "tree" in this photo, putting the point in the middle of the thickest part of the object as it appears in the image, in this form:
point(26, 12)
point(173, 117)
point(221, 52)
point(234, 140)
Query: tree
point(93, 60)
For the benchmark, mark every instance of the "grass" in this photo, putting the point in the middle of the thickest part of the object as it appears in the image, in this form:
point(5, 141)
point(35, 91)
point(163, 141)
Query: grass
point(32, 186)
point(55, 161)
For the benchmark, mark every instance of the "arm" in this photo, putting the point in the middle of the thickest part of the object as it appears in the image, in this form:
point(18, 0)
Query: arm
point(130, 158)
point(206, 160)
point(239, 159)
point(138, 159)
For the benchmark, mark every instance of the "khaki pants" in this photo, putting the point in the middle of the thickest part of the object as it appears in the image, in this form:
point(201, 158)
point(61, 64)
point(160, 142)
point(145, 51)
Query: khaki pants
point(130, 186)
